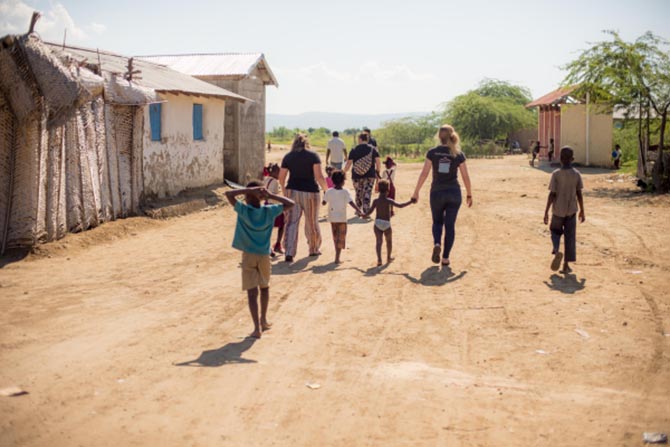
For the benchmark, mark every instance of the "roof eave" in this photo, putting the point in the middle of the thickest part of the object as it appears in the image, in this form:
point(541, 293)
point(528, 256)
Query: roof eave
point(236, 98)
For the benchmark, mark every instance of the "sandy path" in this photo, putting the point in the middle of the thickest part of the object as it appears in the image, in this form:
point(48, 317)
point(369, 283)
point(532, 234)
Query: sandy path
point(138, 339)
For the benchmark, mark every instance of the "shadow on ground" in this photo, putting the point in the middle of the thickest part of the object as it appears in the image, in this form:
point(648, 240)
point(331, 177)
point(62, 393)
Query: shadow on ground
point(285, 268)
point(13, 255)
point(229, 354)
point(568, 283)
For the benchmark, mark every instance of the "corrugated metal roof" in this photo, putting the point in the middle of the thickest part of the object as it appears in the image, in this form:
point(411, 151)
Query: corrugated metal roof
point(226, 65)
point(558, 96)
point(154, 76)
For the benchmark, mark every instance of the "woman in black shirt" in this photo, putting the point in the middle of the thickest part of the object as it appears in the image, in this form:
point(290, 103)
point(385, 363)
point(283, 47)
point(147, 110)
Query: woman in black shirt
point(445, 161)
point(303, 168)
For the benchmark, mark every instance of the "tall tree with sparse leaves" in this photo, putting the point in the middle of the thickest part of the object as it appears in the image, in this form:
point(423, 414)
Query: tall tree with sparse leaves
point(629, 74)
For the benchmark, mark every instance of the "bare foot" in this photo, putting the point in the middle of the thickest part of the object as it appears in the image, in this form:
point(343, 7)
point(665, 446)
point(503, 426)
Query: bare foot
point(390, 259)
point(266, 325)
point(379, 263)
point(255, 334)
point(338, 261)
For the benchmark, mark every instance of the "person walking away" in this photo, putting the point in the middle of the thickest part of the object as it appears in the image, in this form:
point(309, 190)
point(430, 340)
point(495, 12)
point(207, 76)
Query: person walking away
point(337, 198)
point(371, 141)
point(303, 169)
point(551, 150)
point(536, 152)
point(389, 175)
point(336, 152)
point(445, 161)
point(364, 159)
point(271, 183)
point(616, 156)
point(565, 193)
point(253, 232)
point(383, 204)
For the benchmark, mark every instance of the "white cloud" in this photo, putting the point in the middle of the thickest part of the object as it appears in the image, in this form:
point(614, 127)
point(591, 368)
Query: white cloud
point(369, 72)
point(15, 19)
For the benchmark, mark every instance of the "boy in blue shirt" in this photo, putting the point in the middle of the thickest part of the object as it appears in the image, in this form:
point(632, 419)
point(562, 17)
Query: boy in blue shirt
point(253, 232)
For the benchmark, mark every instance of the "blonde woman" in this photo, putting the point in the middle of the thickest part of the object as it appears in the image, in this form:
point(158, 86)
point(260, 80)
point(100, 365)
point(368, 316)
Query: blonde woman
point(303, 169)
point(445, 161)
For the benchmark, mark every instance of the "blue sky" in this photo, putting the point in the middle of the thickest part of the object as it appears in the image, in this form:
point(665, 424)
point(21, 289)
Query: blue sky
point(356, 56)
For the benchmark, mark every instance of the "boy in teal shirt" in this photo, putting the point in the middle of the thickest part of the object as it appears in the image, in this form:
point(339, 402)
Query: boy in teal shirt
point(252, 237)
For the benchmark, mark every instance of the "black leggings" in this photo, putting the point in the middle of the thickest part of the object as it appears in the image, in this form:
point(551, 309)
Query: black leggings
point(444, 206)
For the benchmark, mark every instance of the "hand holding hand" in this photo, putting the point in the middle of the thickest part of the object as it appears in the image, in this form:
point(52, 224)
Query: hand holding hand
point(323, 203)
point(415, 198)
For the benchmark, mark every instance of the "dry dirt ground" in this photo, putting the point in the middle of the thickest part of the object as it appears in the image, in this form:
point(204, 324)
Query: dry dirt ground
point(133, 334)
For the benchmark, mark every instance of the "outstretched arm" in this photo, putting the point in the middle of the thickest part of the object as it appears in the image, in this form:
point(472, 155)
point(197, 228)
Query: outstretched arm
point(318, 176)
point(550, 200)
point(288, 203)
point(580, 199)
point(282, 179)
point(427, 165)
point(356, 207)
point(347, 166)
point(372, 208)
point(400, 205)
point(466, 180)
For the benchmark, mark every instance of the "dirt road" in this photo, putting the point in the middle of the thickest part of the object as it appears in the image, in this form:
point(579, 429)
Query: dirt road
point(133, 334)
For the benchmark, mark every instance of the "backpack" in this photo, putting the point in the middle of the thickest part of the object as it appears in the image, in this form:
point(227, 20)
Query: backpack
point(363, 164)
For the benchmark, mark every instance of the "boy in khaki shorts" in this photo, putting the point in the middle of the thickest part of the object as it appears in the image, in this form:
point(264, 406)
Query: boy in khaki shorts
point(253, 232)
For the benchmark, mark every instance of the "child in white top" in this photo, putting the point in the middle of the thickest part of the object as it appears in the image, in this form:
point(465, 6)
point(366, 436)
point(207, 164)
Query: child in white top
point(337, 199)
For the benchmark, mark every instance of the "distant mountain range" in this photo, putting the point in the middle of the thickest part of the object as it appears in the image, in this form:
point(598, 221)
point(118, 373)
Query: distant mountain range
point(332, 121)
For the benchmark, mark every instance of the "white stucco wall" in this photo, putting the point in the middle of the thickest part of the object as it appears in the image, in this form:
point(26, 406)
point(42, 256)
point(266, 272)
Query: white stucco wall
point(573, 133)
point(178, 162)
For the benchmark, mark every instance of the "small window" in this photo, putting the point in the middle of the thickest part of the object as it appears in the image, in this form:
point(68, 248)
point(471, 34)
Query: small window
point(197, 121)
point(155, 121)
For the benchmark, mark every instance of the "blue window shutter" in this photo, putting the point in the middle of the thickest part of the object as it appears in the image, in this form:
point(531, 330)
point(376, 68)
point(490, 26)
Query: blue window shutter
point(155, 121)
point(197, 121)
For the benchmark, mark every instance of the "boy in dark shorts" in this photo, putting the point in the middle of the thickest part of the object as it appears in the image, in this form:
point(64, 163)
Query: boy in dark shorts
point(384, 205)
point(565, 192)
point(252, 237)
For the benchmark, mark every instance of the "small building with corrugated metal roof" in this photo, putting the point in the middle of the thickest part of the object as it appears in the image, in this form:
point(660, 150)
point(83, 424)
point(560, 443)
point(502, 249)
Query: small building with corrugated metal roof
point(246, 74)
point(571, 121)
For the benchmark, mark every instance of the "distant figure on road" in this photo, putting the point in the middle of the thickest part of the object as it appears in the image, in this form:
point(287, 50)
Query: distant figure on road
point(366, 166)
point(253, 232)
point(551, 150)
point(303, 168)
point(371, 141)
point(536, 152)
point(445, 161)
point(616, 156)
point(336, 152)
point(565, 192)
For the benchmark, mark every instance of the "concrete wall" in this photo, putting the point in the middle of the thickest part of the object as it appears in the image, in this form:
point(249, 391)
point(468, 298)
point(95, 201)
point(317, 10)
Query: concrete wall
point(244, 145)
point(573, 133)
point(178, 162)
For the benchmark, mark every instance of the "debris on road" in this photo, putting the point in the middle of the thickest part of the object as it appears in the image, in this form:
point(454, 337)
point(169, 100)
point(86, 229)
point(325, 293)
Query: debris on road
point(655, 438)
point(583, 333)
point(12, 391)
point(312, 386)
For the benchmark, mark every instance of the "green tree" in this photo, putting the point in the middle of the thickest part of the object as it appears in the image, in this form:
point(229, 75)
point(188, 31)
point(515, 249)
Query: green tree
point(633, 75)
point(491, 111)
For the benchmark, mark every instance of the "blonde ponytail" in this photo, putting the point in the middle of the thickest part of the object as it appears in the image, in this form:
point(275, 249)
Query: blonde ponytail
point(447, 136)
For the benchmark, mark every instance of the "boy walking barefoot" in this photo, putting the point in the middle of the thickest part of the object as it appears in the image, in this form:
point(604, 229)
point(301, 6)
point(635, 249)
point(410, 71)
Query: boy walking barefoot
point(252, 237)
point(384, 206)
point(565, 192)
point(337, 197)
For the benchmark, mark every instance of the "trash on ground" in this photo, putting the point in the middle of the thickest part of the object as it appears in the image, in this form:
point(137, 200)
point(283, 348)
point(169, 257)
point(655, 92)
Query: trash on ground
point(635, 272)
point(583, 333)
point(655, 438)
point(313, 386)
point(12, 391)
point(541, 351)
